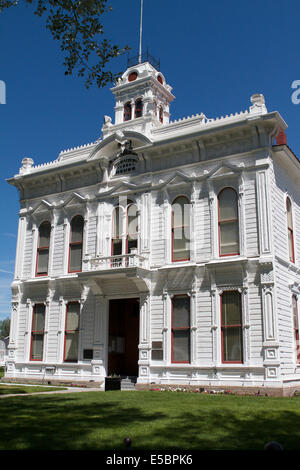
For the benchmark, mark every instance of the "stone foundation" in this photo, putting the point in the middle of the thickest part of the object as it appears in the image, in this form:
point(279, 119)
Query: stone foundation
point(85, 384)
point(237, 390)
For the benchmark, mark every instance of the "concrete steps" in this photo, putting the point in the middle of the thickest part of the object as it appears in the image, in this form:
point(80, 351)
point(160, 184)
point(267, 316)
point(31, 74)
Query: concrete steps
point(128, 383)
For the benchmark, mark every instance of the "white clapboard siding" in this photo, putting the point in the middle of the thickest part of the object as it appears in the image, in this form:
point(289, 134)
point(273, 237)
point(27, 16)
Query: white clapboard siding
point(250, 214)
point(58, 250)
point(204, 330)
point(28, 254)
point(202, 224)
point(91, 235)
point(157, 318)
point(157, 235)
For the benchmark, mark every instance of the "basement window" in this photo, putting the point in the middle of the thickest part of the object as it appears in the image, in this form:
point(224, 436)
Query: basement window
point(157, 351)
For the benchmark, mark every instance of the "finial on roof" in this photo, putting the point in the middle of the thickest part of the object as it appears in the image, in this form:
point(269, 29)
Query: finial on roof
point(258, 104)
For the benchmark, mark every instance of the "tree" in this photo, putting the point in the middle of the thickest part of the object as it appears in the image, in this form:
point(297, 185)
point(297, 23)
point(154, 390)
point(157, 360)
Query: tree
point(75, 24)
point(4, 328)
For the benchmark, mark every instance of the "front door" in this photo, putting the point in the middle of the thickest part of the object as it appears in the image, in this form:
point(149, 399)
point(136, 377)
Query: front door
point(123, 340)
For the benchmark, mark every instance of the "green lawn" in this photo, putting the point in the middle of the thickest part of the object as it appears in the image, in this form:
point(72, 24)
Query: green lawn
point(153, 420)
point(9, 389)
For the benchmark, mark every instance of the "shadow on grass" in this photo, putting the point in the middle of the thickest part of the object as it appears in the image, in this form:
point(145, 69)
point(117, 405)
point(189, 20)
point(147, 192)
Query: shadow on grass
point(88, 421)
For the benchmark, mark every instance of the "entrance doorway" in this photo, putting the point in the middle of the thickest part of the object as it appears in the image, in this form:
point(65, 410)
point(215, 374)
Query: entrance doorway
point(123, 337)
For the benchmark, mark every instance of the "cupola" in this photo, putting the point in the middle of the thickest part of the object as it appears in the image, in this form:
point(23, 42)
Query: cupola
point(142, 97)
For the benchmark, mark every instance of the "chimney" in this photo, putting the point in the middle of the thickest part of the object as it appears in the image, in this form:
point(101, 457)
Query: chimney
point(281, 138)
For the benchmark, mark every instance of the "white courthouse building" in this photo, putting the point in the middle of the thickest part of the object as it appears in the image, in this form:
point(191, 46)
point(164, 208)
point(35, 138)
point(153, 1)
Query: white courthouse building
point(166, 250)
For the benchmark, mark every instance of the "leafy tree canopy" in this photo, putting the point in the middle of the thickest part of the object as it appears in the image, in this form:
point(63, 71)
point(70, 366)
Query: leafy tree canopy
point(75, 24)
point(4, 328)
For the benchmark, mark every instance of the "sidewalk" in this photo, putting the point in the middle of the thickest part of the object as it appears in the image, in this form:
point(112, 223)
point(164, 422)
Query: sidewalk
point(68, 390)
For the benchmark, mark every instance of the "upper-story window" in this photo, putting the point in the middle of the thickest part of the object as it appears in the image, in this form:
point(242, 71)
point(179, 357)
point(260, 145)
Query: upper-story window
point(132, 76)
point(138, 108)
point(181, 229)
point(127, 111)
point(43, 249)
point(123, 245)
point(132, 227)
point(116, 239)
point(228, 222)
point(76, 244)
point(290, 229)
point(37, 332)
point(161, 114)
point(231, 327)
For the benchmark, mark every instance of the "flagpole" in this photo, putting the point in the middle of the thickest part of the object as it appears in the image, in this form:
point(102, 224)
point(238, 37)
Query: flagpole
point(141, 32)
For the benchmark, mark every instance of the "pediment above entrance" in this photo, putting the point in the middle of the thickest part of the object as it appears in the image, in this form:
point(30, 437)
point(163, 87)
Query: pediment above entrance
point(115, 144)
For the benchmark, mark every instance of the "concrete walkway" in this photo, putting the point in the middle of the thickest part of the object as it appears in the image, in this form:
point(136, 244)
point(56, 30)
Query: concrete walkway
point(68, 390)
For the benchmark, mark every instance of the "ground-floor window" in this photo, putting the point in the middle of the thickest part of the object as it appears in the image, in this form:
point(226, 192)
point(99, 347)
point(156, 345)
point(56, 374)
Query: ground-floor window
point(296, 328)
point(37, 332)
point(181, 329)
point(231, 327)
point(72, 332)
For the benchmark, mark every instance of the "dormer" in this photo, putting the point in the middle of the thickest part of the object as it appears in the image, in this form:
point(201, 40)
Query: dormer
point(142, 99)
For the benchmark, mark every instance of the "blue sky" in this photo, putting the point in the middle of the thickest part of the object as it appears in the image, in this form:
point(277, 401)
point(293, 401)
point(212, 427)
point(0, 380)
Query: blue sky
point(214, 54)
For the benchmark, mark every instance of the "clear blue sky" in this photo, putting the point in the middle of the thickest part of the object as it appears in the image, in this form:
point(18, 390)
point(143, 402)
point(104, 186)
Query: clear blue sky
point(214, 54)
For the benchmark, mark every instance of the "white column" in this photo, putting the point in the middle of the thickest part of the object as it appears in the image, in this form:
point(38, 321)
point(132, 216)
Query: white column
point(61, 330)
point(20, 247)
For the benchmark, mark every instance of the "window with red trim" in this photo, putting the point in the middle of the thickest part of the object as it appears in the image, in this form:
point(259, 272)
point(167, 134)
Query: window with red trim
point(290, 229)
point(116, 240)
point(181, 229)
point(127, 111)
point(132, 76)
point(76, 244)
point(159, 78)
point(181, 350)
point(138, 108)
point(37, 332)
point(132, 227)
point(228, 222)
point(296, 327)
point(72, 332)
point(42, 260)
point(231, 327)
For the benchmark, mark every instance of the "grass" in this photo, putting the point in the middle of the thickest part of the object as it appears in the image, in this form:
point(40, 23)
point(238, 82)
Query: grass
point(153, 420)
point(14, 389)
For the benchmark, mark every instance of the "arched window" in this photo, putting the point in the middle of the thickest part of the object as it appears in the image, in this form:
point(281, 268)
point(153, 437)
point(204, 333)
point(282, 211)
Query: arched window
point(181, 229)
point(72, 332)
point(231, 327)
point(76, 244)
point(116, 239)
point(161, 114)
point(228, 223)
point(138, 108)
point(132, 76)
point(42, 260)
point(127, 111)
point(290, 229)
point(132, 227)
